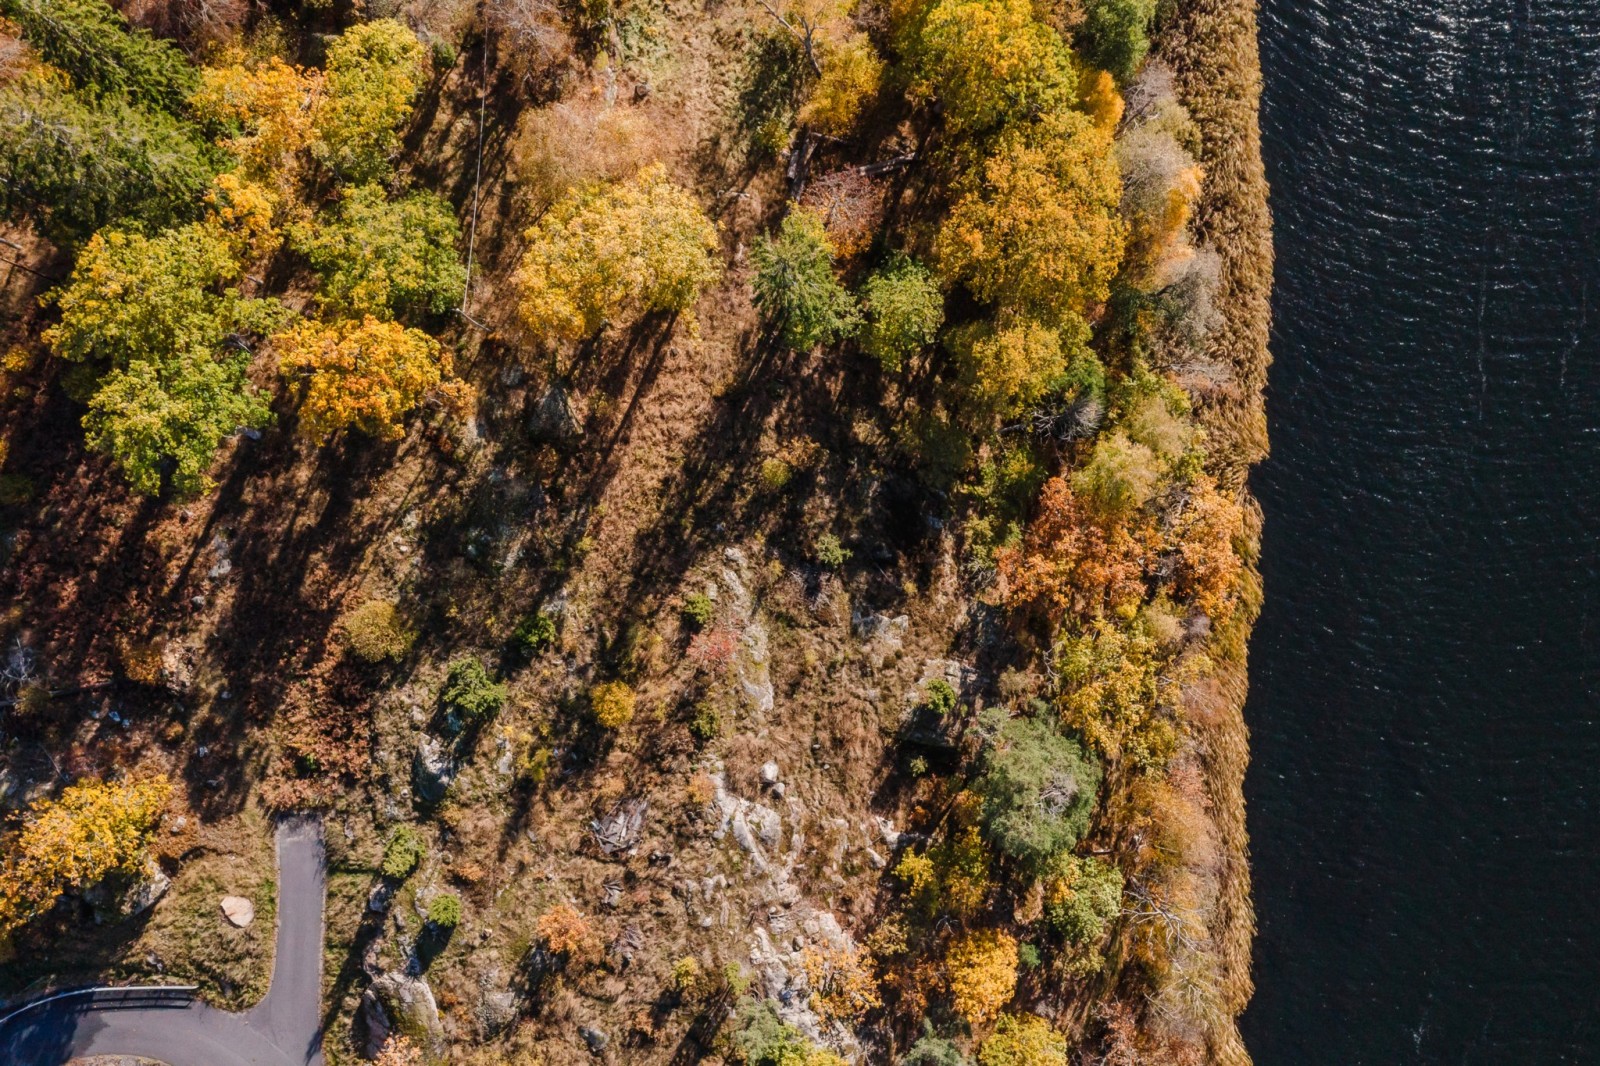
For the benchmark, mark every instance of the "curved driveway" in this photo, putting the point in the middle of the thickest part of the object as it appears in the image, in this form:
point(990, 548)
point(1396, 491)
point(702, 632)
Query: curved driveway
point(284, 1029)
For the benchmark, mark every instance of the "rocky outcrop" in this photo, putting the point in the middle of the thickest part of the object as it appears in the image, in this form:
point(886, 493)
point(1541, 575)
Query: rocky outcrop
point(399, 1003)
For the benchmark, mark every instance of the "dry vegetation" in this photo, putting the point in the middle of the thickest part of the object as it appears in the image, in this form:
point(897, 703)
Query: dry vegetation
point(635, 642)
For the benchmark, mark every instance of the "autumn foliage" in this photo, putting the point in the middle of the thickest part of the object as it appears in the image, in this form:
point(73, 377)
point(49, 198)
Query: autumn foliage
point(614, 254)
point(364, 375)
point(1070, 563)
point(93, 829)
point(982, 970)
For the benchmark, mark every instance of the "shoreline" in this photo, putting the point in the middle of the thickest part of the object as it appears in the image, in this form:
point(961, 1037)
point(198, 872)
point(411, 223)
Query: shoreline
point(1212, 47)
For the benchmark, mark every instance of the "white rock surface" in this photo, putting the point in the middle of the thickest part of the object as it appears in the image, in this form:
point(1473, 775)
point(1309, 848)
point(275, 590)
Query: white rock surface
point(239, 911)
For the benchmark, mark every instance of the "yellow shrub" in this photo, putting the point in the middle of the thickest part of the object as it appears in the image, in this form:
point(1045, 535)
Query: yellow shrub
point(613, 704)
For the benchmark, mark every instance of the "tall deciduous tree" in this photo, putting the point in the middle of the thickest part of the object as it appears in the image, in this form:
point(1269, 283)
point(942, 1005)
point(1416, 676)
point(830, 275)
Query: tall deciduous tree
point(159, 315)
point(1035, 229)
point(364, 374)
point(615, 253)
point(268, 107)
point(93, 829)
point(385, 258)
point(991, 63)
point(374, 72)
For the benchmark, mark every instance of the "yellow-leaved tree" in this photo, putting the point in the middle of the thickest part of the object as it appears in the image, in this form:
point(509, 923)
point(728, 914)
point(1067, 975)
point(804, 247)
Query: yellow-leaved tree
point(92, 829)
point(270, 106)
point(982, 969)
point(1035, 228)
point(990, 62)
point(374, 72)
point(615, 253)
point(364, 374)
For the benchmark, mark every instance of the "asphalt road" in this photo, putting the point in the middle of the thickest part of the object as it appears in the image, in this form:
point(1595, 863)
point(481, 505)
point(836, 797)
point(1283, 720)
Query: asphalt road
point(284, 1029)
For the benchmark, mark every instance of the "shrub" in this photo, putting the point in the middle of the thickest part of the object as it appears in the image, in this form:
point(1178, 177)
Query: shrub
point(1034, 228)
point(469, 690)
point(1025, 1040)
point(706, 724)
point(613, 704)
point(982, 970)
point(374, 72)
point(1080, 896)
point(614, 254)
point(534, 766)
point(795, 287)
point(934, 1050)
point(939, 696)
point(842, 985)
point(687, 976)
point(374, 256)
point(444, 910)
point(904, 310)
point(775, 474)
point(699, 609)
point(565, 931)
point(534, 633)
point(1011, 367)
point(1029, 957)
point(951, 876)
point(375, 631)
point(1038, 789)
point(1114, 35)
point(765, 1039)
point(830, 553)
point(403, 853)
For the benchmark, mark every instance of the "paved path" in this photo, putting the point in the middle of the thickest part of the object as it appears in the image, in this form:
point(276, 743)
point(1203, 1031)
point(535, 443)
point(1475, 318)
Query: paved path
point(284, 1029)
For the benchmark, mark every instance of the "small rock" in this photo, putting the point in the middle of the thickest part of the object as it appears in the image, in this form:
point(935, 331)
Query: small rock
point(433, 771)
point(596, 1039)
point(239, 911)
point(769, 773)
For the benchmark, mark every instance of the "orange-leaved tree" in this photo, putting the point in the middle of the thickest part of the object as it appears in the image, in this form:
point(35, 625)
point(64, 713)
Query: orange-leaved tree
point(365, 374)
point(92, 829)
point(1069, 562)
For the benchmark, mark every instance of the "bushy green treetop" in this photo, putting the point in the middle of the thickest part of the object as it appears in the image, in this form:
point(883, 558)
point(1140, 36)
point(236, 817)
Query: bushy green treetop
point(386, 258)
point(374, 72)
point(1038, 789)
point(97, 48)
point(72, 163)
point(795, 287)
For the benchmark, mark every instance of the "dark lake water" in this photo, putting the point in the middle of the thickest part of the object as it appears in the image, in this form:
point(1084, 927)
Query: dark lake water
point(1425, 792)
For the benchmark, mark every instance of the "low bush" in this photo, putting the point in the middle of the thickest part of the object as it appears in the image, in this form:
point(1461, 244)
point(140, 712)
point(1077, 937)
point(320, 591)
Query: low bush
point(613, 704)
point(830, 553)
point(469, 691)
point(534, 633)
point(904, 310)
point(699, 609)
point(375, 631)
point(403, 853)
point(444, 910)
point(939, 696)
